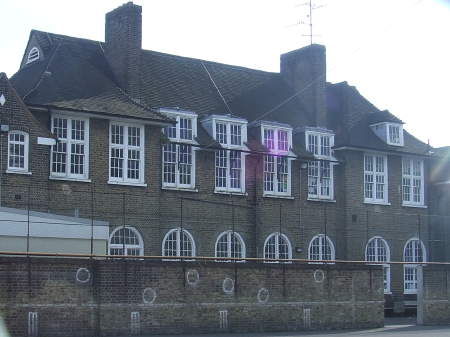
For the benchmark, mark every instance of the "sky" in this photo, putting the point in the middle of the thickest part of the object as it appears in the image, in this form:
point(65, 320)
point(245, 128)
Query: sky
point(396, 53)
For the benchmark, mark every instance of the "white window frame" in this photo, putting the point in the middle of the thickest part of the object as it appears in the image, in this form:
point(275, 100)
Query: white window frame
point(124, 180)
point(178, 242)
point(13, 169)
point(413, 265)
point(177, 139)
point(273, 155)
point(389, 127)
point(229, 235)
point(374, 174)
point(386, 265)
point(319, 155)
point(228, 147)
point(127, 246)
point(411, 177)
point(277, 235)
point(69, 141)
point(322, 238)
point(30, 57)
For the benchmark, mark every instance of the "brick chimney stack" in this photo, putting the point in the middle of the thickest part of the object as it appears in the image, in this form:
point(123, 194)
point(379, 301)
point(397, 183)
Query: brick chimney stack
point(123, 45)
point(305, 70)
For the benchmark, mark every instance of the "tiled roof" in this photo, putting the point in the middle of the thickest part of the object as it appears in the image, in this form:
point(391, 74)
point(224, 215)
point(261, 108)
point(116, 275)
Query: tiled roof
point(76, 75)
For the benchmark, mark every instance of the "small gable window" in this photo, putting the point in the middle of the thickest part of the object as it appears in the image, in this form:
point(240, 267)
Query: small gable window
point(33, 55)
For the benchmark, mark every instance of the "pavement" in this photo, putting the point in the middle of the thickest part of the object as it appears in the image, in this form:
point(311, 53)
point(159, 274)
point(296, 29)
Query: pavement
point(394, 327)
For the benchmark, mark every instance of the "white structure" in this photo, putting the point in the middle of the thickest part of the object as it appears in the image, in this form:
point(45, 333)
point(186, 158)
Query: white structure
point(51, 233)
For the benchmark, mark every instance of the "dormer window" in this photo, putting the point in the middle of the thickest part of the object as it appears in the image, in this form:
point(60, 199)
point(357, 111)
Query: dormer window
point(320, 172)
point(390, 133)
point(394, 134)
point(33, 55)
point(231, 134)
point(277, 165)
point(178, 155)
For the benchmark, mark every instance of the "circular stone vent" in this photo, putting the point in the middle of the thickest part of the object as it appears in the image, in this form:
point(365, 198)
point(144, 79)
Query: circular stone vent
point(83, 275)
point(148, 296)
point(263, 295)
point(228, 285)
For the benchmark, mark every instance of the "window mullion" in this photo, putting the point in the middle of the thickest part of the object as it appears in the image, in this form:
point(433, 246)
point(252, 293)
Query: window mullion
point(125, 153)
point(229, 244)
point(69, 147)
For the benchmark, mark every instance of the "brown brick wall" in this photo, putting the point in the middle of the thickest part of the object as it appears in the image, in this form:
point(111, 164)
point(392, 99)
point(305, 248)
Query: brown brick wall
point(347, 296)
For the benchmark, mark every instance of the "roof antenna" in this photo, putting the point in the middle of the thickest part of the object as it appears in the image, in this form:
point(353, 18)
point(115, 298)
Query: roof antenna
point(309, 18)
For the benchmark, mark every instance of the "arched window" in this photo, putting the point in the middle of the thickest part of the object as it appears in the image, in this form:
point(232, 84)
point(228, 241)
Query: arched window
point(178, 242)
point(126, 241)
point(33, 55)
point(18, 151)
point(413, 253)
point(230, 244)
point(321, 248)
point(277, 246)
point(377, 250)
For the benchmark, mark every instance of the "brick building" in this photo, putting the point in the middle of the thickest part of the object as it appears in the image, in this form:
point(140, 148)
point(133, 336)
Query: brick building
point(186, 157)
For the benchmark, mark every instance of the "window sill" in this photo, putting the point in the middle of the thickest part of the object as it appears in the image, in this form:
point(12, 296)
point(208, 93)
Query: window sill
point(242, 194)
point(415, 206)
point(381, 203)
point(410, 292)
point(124, 183)
point(183, 189)
point(321, 200)
point(278, 196)
point(27, 173)
point(388, 292)
point(70, 179)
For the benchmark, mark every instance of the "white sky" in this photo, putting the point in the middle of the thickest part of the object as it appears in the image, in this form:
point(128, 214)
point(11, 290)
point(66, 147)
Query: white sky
point(397, 53)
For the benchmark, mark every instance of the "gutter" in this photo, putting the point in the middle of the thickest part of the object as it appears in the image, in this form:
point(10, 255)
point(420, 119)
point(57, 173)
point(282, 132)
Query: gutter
point(150, 121)
point(361, 148)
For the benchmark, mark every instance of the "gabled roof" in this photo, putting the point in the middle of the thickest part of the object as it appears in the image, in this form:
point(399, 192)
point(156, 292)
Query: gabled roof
point(76, 76)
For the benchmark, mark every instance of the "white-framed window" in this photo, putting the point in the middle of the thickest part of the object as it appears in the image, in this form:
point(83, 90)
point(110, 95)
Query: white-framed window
point(18, 143)
point(390, 133)
point(70, 155)
point(413, 182)
point(413, 253)
point(179, 159)
point(320, 173)
point(178, 242)
point(126, 153)
point(126, 240)
point(277, 246)
point(321, 248)
point(33, 55)
point(277, 165)
point(230, 162)
point(377, 250)
point(230, 244)
point(375, 178)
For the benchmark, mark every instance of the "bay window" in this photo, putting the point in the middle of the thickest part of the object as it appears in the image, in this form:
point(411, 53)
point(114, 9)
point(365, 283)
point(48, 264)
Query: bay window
point(375, 179)
point(179, 155)
point(70, 154)
point(126, 162)
point(412, 182)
